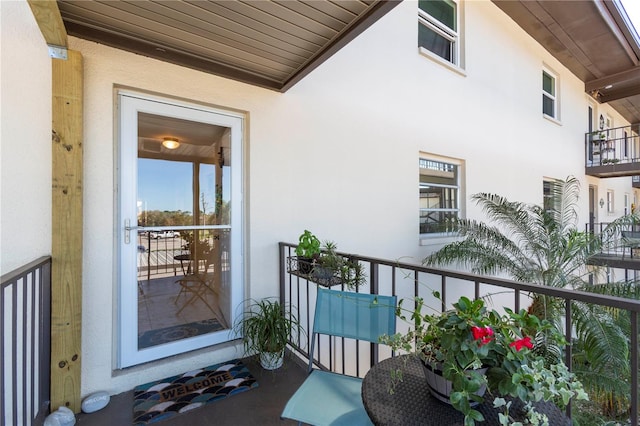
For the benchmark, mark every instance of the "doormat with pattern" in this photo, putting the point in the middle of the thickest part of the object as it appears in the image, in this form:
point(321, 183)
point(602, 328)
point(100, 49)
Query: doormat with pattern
point(166, 398)
point(177, 332)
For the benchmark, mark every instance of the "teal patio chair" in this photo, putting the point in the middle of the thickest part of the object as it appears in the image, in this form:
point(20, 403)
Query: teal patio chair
point(327, 398)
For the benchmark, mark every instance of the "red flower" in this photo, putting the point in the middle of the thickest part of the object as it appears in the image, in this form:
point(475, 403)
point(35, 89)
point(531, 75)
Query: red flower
point(484, 334)
point(520, 343)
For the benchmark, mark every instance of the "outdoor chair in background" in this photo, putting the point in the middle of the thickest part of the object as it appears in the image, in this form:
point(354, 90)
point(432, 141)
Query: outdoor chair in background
point(196, 284)
point(328, 398)
point(631, 241)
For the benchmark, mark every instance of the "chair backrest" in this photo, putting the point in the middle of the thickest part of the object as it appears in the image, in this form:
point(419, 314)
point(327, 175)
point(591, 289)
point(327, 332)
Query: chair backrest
point(358, 316)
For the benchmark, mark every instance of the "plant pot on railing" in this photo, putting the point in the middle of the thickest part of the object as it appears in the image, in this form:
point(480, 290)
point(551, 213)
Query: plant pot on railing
point(328, 273)
point(309, 269)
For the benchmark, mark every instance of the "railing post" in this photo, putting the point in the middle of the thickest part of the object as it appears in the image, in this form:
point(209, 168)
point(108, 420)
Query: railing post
point(568, 349)
point(634, 367)
point(282, 261)
point(375, 289)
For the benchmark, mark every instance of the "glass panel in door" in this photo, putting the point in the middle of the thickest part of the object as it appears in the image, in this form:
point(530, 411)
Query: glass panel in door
point(181, 180)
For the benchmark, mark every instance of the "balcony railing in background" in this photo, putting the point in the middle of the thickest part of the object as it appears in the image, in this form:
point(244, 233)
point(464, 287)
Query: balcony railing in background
point(25, 344)
point(157, 252)
point(164, 251)
point(406, 281)
point(613, 152)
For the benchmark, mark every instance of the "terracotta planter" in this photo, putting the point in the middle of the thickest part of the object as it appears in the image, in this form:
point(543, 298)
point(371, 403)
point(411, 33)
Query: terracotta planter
point(440, 387)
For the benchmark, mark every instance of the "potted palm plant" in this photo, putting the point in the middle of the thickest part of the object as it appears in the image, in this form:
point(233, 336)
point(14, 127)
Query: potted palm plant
point(266, 327)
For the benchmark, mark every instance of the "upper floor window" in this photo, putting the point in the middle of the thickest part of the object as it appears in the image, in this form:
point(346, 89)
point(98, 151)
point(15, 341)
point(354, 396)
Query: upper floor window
point(439, 196)
point(549, 97)
point(438, 28)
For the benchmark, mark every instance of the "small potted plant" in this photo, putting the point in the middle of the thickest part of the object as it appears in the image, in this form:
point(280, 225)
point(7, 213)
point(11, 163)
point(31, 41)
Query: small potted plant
point(476, 349)
point(331, 268)
point(266, 327)
point(308, 250)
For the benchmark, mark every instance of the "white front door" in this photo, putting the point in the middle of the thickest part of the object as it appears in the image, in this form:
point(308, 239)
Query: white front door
point(179, 226)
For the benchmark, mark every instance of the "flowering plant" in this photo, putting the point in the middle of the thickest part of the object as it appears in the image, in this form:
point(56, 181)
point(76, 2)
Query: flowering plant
point(521, 355)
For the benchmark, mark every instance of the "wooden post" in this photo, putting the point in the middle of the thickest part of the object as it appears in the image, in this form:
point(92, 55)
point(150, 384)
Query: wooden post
point(66, 250)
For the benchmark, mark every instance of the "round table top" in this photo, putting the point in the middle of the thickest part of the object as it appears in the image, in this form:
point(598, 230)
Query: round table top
point(412, 404)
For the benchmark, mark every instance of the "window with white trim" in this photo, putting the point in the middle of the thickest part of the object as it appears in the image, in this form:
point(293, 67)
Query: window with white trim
point(627, 208)
point(609, 201)
point(439, 189)
point(438, 24)
point(549, 94)
point(550, 190)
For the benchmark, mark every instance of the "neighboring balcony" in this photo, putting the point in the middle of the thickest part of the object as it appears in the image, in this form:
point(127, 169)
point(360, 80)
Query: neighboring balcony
point(613, 152)
point(623, 253)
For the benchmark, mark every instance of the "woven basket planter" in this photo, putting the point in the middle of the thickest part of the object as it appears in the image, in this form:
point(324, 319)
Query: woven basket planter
point(440, 387)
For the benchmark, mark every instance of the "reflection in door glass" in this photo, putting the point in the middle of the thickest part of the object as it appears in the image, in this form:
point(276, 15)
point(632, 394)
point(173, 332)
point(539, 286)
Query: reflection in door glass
point(183, 252)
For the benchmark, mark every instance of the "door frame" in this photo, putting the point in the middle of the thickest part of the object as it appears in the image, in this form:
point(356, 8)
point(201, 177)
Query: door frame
point(126, 337)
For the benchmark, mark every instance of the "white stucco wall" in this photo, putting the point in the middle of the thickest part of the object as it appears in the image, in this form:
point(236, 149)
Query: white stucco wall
point(338, 153)
point(25, 138)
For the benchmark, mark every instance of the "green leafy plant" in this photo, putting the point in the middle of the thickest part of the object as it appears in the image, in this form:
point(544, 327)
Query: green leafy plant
point(543, 245)
point(331, 265)
point(513, 347)
point(308, 245)
point(267, 326)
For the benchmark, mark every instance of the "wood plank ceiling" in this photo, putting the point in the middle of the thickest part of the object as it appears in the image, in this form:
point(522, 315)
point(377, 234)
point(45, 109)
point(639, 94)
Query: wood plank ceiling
point(271, 44)
point(275, 43)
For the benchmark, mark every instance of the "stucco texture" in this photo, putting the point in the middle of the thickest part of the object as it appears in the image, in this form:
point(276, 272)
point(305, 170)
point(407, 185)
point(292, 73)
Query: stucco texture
point(338, 153)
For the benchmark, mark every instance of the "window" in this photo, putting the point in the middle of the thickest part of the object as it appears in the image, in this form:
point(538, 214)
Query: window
point(549, 104)
point(438, 28)
point(626, 203)
point(439, 196)
point(609, 201)
point(550, 188)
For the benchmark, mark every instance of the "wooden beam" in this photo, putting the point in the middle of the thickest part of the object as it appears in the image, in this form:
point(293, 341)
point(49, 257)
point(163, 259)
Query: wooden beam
point(632, 75)
point(49, 21)
point(614, 95)
point(66, 250)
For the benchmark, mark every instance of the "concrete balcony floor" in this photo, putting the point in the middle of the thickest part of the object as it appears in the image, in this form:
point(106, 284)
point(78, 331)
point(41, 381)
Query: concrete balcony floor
point(259, 406)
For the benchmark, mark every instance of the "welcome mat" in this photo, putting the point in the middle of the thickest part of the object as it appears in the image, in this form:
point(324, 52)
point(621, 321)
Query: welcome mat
point(177, 332)
point(166, 398)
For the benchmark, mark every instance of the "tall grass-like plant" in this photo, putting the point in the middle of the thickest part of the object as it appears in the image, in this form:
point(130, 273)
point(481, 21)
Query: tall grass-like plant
point(266, 327)
point(542, 246)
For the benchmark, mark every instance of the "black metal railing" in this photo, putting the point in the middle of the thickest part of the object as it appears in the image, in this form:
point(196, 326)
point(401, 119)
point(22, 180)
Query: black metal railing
point(25, 343)
point(165, 251)
point(613, 146)
point(621, 243)
point(159, 251)
point(405, 280)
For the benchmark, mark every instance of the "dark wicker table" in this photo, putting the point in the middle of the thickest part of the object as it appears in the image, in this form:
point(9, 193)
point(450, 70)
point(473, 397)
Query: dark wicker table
point(412, 404)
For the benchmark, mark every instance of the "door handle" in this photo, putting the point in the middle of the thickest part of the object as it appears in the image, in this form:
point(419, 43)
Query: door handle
point(127, 231)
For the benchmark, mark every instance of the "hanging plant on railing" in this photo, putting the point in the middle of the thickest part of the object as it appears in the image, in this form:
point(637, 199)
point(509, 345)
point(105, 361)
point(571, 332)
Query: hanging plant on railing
point(322, 264)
